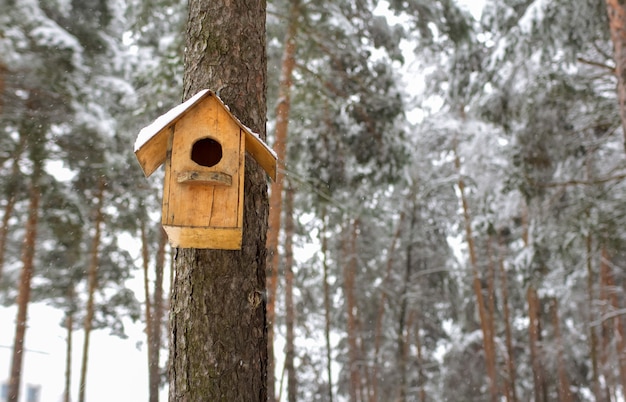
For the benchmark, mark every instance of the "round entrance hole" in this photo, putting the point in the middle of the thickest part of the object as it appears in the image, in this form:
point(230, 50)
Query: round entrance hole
point(206, 152)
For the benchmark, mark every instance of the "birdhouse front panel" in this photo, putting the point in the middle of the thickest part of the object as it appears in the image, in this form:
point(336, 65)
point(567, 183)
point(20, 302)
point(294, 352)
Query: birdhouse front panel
point(203, 194)
point(203, 146)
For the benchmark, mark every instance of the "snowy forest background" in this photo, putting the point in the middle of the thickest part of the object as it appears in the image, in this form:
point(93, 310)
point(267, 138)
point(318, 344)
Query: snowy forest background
point(453, 216)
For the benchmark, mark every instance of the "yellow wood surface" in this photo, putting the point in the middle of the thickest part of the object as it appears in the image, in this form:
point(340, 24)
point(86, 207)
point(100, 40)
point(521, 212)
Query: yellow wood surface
point(152, 154)
point(214, 178)
point(213, 238)
point(261, 154)
point(205, 204)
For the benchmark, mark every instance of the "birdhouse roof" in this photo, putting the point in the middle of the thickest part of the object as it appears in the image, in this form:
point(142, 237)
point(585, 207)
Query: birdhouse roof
point(151, 143)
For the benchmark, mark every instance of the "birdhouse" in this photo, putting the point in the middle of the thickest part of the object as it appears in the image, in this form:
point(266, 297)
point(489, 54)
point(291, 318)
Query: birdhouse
point(203, 147)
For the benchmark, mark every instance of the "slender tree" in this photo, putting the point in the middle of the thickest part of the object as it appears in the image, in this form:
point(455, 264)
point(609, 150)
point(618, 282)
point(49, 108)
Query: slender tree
point(92, 284)
point(617, 25)
point(280, 147)
point(486, 320)
point(28, 255)
point(327, 305)
point(218, 344)
point(292, 380)
point(156, 320)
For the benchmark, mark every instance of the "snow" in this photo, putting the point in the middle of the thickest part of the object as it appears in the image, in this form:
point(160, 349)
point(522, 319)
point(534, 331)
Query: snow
point(162, 121)
point(532, 14)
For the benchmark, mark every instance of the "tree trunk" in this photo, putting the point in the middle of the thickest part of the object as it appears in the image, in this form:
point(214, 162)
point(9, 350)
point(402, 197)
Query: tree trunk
point(565, 394)
point(276, 195)
point(152, 396)
point(606, 368)
point(218, 344)
point(327, 306)
point(23, 298)
point(349, 277)
point(488, 341)
point(593, 335)
point(616, 10)
point(614, 337)
point(510, 360)
point(292, 384)
point(618, 328)
point(378, 329)
point(404, 302)
point(534, 328)
point(420, 362)
point(69, 325)
point(92, 279)
point(3, 72)
point(156, 321)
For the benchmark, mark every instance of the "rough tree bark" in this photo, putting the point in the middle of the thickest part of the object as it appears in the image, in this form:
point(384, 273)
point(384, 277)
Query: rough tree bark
point(276, 197)
point(23, 298)
point(218, 333)
point(92, 279)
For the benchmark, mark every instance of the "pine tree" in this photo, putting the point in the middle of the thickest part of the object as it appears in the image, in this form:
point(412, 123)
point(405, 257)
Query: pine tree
point(218, 343)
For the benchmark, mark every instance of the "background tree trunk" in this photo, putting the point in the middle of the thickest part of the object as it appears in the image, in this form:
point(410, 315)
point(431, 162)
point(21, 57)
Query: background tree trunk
point(327, 305)
point(402, 355)
point(616, 10)
point(69, 324)
point(23, 298)
point(276, 197)
point(486, 319)
point(92, 279)
point(534, 329)
point(292, 379)
point(565, 394)
point(508, 333)
point(349, 278)
point(218, 344)
point(593, 334)
point(145, 257)
point(156, 320)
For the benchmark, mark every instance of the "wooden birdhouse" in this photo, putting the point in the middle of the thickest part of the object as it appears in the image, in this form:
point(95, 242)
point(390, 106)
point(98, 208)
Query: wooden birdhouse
point(203, 146)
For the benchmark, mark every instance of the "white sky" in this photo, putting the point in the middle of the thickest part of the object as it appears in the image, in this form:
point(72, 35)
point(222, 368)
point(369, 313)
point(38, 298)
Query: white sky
point(117, 368)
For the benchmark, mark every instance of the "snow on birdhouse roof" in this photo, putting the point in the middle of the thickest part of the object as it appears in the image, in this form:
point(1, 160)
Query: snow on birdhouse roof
point(254, 144)
point(166, 119)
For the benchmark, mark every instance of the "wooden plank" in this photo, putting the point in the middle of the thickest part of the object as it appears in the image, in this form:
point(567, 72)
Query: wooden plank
point(165, 207)
point(261, 154)
point(153, 153)
point(227, 201)
point(211, 178)
point(202, 237)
